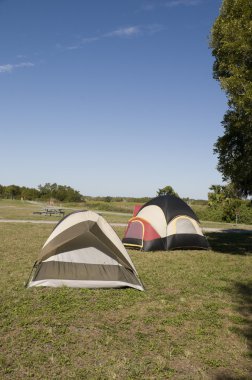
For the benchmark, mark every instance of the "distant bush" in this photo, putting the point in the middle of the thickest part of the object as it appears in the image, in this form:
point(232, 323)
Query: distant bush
point(207, 213)
point(110, 206)
point(245, 213)
point(118, 199)
point(226, 213)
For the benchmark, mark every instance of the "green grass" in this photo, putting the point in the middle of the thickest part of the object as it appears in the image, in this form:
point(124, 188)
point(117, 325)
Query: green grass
point(12, 209)
point(225, 226)
point(192, 322)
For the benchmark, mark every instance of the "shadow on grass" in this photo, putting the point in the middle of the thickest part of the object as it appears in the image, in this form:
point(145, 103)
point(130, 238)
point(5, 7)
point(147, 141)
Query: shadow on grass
point(234, 243)
point(243, 294)
point(223, 376)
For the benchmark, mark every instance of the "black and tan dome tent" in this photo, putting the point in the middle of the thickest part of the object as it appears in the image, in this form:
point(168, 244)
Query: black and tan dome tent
point(84, 251)
point(164, 223)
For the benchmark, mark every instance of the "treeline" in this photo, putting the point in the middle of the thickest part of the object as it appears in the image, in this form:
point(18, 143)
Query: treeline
point(228, 213)
point(223, 204)
point(65, 193)
point(60, 193)
point(43, 193)
point(110, 199)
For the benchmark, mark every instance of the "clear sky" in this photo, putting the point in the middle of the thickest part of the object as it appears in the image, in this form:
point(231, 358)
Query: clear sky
point(110, 97)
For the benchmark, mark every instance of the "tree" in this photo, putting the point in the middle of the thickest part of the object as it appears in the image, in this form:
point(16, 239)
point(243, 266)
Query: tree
point(232, 49)
point(12, 191)
point(219, 194)
point(215, 196)
point(45, 191)
point(1, 191)
point(29, 193)
point(167, 190)
point(226, 198)
point(59, 192)
point(231, 43)
point(234, 151)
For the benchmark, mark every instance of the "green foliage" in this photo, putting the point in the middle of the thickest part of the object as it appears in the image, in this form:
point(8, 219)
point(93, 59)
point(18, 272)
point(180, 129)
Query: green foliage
point(12, 191)
point(234, 150)
point(232, 49)
point(167, 190)
point(123, 207)
point(118, 199)
point(231, 44)
point(206, 213)
point(44, 192)
point(231, 210)
point(65, 194)
point(218, 194)
point(244, 212)
point(227, 206)
point(29, 194)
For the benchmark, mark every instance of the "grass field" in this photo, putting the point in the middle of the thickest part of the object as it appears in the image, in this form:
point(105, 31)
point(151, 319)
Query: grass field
point(23, 210)
point(192, 322)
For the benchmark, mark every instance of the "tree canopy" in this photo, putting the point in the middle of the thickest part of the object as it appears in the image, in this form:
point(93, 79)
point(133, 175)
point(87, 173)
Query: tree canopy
point(219, 193)
point(59, 192)
point(231, 43)
point(167, 190)
point(234, 151)
point(232, 48)
point(44, 192)
point(227, 200)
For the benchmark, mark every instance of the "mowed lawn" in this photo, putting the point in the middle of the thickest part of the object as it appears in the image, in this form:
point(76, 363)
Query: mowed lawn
point(192, 322)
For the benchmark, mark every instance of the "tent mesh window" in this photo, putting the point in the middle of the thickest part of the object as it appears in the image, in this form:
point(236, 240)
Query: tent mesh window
point(185, 226)
point(135, 230)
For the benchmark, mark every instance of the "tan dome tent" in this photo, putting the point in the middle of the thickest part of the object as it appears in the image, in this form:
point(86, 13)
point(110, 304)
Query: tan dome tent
point(83, 251)
point(164, 223)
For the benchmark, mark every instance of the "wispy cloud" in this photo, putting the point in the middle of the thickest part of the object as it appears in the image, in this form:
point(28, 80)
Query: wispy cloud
point(78, 45)
point(177, 3)
point(122, 32)
point(148, 7)
point(129, 31)
point(88, 40)
point(152, 6)
point(8, 68)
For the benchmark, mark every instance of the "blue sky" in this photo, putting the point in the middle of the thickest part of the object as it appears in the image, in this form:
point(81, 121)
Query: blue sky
point(109, 97)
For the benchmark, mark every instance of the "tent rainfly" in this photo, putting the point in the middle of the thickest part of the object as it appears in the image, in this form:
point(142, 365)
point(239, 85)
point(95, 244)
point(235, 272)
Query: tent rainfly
point(164, 223)
point(83, 251)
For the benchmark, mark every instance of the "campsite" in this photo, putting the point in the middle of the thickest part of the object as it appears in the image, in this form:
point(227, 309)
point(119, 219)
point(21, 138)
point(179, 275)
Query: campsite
point(126, 190)
point(193, 321)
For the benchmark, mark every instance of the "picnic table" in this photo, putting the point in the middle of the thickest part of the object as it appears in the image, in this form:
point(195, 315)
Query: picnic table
point(50, 211)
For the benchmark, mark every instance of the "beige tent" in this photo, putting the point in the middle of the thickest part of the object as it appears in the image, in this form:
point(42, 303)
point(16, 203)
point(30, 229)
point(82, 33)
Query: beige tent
point(83, 251)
